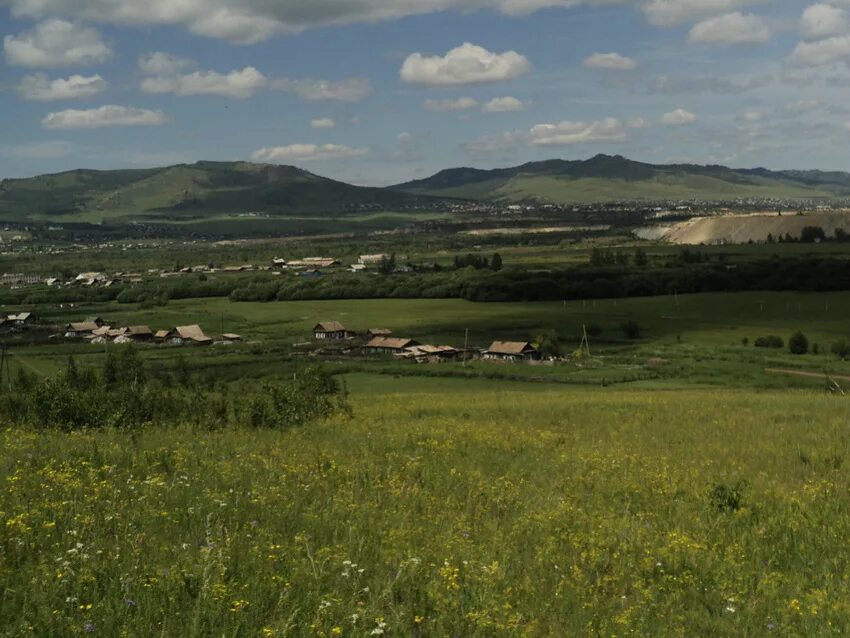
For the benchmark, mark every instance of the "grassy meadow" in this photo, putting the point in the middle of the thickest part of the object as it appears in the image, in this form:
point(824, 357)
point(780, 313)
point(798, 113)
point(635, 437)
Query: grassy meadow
point(462, 510)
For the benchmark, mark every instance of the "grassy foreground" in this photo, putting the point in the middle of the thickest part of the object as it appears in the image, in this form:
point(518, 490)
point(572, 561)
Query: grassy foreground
point(693, 513)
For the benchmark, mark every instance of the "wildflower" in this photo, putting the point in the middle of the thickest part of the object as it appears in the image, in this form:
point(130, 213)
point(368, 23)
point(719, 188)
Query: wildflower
point(88, 627)
point(238, 605)
point(418, 619)
point(336, 631)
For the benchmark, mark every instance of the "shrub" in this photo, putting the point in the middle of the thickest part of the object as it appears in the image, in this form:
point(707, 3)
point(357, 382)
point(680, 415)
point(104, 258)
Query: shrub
point(630, 330)
point(728, 498)
point(798, 343)
point(770, 341)
point(593, 330)
point(841, 348)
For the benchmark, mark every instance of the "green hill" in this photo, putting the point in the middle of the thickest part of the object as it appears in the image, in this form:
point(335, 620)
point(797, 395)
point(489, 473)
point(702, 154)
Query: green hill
point(189, 191)
point(607, 178)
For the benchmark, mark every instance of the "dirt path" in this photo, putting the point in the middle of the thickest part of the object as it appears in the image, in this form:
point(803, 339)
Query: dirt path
point(808, 375)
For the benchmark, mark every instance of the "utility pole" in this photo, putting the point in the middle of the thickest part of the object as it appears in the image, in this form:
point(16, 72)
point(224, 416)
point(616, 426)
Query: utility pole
point(465, 347)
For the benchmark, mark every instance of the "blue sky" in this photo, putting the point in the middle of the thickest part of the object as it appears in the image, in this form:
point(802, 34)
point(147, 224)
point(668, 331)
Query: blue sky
point(382, 91)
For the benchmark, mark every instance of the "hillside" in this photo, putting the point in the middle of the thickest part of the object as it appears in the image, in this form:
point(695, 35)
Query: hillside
point(188, 191)
point(613, 178)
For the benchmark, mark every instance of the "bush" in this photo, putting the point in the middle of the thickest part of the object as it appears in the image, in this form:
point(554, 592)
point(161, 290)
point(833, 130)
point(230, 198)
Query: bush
point(770, 341)
point(630, 330)
point(728, 498)
point(798, 343)
point(593, 330)
point(841, 349)
point(125, 394)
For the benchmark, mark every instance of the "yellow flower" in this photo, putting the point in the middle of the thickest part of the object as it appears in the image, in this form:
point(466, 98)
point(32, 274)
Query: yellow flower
point(336, 631)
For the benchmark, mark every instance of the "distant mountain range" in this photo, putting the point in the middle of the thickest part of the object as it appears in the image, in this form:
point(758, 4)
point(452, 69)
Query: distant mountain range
point(189, 191)
point(606, 178)
point(208, 190)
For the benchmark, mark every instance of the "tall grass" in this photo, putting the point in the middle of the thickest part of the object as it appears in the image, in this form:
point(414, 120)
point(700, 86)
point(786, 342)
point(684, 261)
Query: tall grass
point(590, 513)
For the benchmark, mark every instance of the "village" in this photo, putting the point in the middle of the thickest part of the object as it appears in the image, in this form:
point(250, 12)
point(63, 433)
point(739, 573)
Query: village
point(302, 267)
point(380, 341)
point(374, 341)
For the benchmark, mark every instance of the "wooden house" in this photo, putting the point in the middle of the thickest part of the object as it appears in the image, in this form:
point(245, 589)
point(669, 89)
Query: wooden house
point(511, 351)
point(330, 330)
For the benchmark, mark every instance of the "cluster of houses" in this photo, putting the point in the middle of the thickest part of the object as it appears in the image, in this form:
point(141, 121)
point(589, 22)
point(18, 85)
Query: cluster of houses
point(382, 341)
point(95, 330)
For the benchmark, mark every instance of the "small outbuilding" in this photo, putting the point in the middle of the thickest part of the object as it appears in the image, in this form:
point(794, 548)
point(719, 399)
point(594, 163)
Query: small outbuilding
point(140, 333)
point(371, 333)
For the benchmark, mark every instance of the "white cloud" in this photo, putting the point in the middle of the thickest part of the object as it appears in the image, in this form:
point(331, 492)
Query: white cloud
point(103, 116)
point(638, 122)
point(251, 21)
point(159, 63)
point(566, 133)
point(460, 104)
point(323, 122)
point(404, 137)
point(731, 28)
point(669, 13)
point(466, 64)
point(822, 21)
point(505, 104)
point(821, 53)
point(56, 43)
point(679, 117)
point(238, 85)
point(347, 90)
point(306, 153)
point(40, 88)
point(610, 62)
point(53, 149)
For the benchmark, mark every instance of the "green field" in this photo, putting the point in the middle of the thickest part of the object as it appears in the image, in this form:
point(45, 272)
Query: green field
point(476, 512)
point(686, 341)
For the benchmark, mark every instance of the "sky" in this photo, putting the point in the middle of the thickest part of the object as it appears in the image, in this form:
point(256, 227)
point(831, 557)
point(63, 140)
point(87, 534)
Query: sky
point(379, 92)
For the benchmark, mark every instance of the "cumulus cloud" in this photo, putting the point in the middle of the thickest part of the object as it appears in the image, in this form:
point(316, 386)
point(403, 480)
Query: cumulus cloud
point(238, 85)
point(323, 122)
point(466, 64)
point(347, 90)
point(731, 28)
point(638, 122)
point(821, 53)
point(56, 43)
point(159, 63)
point(665, 85)
point(567, 133)
point(679, 117)
point(104, 116)
point(669, 13)
point(306, 153)
point(610, 62)
point(822, 21)
point(460, 104)
point(40, 88)
point(251, 21)
point(505, 104)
